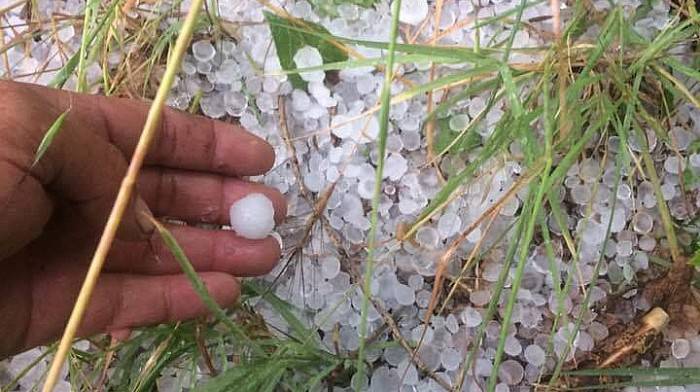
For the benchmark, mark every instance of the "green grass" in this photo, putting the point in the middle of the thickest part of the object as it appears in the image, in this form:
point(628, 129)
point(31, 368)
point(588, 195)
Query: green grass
point(385, 101)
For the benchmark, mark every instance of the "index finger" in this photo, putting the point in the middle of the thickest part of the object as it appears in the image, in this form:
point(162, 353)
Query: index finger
point(183, 141)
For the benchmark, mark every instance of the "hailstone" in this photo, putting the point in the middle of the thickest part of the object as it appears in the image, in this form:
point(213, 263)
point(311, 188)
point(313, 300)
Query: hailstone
point(253, 216)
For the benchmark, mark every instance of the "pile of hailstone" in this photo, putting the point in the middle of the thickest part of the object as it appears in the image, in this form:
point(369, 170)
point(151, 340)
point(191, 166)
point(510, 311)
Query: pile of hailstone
point(335, 144)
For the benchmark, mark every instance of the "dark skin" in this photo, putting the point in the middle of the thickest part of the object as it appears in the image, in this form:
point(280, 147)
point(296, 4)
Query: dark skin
point(51, 216)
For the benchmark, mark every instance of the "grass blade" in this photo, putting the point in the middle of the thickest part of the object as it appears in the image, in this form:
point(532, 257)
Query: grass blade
point(196, 281)
point(302, 332)
point(48, 138)
point(385, 99)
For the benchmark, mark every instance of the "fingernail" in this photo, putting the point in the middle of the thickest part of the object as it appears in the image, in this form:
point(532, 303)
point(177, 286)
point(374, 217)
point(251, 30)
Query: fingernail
point(144, 216)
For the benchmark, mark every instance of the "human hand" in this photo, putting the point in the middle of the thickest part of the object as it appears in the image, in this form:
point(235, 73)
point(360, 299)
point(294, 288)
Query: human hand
point(51, 218)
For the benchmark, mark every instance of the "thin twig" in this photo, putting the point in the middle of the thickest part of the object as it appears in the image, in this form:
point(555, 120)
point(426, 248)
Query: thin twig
point(564, 123)
point(123, 197)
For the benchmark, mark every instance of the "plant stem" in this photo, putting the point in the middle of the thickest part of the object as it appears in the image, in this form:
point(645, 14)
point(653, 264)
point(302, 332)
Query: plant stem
point(385, 100)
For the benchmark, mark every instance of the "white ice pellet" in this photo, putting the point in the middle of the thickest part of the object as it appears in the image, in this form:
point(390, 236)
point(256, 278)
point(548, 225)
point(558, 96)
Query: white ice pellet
point(409, 369)
point(213, 105)
point(458, 122)
point(491, 272)
point(673, 165)
point(415, 281)
point(680, 348)
point(476, 105)
point(694, 160)
point(330, 267)
point(624, 248)
point(451, 323)
point(584, 341)
point(449, 224)
point(511, 372)
point(668, 191)
point(581, 194)
point(67, 33)
point(647, 243)
point(203, 51)
point(450, 359)
point(680, 138)
point(235, 103)
point(512, 346)
point(366, 84)
point(429, 354)
point(534, 355)
point(253, 216)
point(383, 379)
point(413, 11)
point(404, 294)
point(642, 222)
point(423, 298)
point(307, 57)
point(471, 317)
point(358, 383)
point(480, 297)
point(411, 140)
point(427, 237)
point(624, 192)
point(360, 130)
point(394, 355)
point(395, 167)
point(300, 100)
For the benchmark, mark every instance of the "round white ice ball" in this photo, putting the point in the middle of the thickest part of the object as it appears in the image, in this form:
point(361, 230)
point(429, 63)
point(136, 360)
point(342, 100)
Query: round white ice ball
point(253, 216)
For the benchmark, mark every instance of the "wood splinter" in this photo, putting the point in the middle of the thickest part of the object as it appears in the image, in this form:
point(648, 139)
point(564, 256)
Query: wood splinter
point(626, 347)
point(623, 349)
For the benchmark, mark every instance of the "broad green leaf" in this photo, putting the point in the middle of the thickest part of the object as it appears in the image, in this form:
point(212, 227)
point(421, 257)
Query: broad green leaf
point(455, 52)
point(291, 35)
point(326, 7)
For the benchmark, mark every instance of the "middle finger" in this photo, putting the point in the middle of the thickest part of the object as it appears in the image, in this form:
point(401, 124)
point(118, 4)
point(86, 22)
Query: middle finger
point(196, 197)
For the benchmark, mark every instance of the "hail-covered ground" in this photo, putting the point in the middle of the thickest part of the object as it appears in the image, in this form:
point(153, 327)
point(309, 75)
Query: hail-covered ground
point(326, 156)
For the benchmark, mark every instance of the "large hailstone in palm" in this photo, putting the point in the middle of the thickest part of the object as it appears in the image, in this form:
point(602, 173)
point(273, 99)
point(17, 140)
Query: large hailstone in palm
point(253, 216)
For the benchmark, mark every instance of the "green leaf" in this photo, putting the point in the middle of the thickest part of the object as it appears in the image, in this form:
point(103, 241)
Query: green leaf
point(330, 8)
point(291, 35)
point(50, 134)
point(695, 261)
